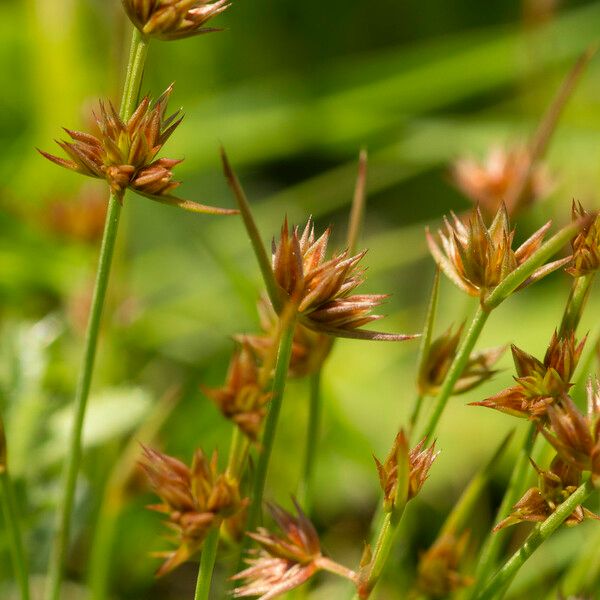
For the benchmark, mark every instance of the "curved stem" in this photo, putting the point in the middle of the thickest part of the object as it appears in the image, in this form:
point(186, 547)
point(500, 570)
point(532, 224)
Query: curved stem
point(15, 537)
point(207, 565)
point(312, 441)
point(59, 551)
point(491, 549)
point(580, 292)
point(455, 371)
point(507, 572)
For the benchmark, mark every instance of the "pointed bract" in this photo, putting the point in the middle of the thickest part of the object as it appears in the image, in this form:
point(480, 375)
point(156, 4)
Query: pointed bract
point(586, 244)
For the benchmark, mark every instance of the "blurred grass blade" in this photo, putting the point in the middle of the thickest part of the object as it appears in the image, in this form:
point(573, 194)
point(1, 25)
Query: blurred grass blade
point(357, 212)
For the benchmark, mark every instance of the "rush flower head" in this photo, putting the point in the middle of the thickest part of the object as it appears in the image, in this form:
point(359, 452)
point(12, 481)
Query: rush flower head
point(242, 399)
point(576, 437)
point(125, 153)
point(439, 357)
point(491, 182)
point(323, 289)
point(539, 384)
point(194, 500)
point(173, 19)
point(554, 487)
point(286, 560)
point(477, 258)
point(417, 461)
point(586, 244)
point(438, 569)
point(309, 348)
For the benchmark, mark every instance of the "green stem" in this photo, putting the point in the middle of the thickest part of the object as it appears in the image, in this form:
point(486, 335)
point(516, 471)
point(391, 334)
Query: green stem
point(312, 441)
point(237, 452)
point(416, 411)
point(15, 538)
point(504, 576)
point(207, 565)
point(455, 371)
point(580, 292)
point(491, 549)
point(58, 555)
point(281, 371)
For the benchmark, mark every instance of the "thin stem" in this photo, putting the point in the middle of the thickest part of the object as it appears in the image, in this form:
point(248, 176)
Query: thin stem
point(281, 371)
point(580, 292)
point(491, 549)
point(455, 371)
point(60, 547)
point(416, 411)
point(207, 565)
point(357, 212)
point(15, 537)
point(238, 451)
point(503, 577)
point(312, 441)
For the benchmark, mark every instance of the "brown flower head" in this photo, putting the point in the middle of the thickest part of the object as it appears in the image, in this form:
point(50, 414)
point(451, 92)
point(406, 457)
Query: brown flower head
point(438, 569)
point(323, 288)
point(194, 499)
point(576, 437)
point(124, 153)
point(173, 19)
point(539, 384)
point(309, 348)
point(554, 487)
point(586, 244)
point(491, 182)
point(439, 357)
point(242, 399)
point(287, 560)
point(417, 461)
point(477, 258)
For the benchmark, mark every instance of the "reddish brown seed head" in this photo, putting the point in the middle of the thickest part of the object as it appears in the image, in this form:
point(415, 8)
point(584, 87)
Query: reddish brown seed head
point(586, 244)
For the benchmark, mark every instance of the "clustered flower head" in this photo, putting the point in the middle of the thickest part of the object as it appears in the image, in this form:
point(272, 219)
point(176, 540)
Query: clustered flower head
point(309, 348)
point(195, 499)
point(586, 244)
point(285, 560)
point(477, 258)
point(539, 384)
point(323, 288)
point(438, 572)
point(439, 357)
point(173, 19)
point(418, 462)
point(493, 181)
point(242, 399)
point(124, 153)
point(554, 487)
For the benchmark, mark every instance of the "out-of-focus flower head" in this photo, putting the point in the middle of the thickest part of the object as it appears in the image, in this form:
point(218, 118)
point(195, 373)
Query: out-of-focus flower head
point(124, 153)
point(439, 357)
point(539, 384)
point(554, 487)
point(194, 500)
point(418, 462)
point(576, 437)
point(438, 569)
point(477, 258)
point(492, 182)
point(242, 399)
point(323, 288)
point(173, 19)
point(309, 348)
point(286, 560)
point(586, 244)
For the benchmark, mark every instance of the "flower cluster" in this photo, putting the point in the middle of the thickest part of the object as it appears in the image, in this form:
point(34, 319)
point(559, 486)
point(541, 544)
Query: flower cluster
point(173, 19)
point(539, 384)
point(477, 258)
point(441, 354)
point(418, 462)
point(586, 244)
point(125, 153)
point(493, 181)
point(323, 289)
point(285, 560)
point(195, 499)
point(242, 399)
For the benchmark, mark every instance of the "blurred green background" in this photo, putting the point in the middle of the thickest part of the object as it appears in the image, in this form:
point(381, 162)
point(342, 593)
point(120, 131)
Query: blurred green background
point(293, 90)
